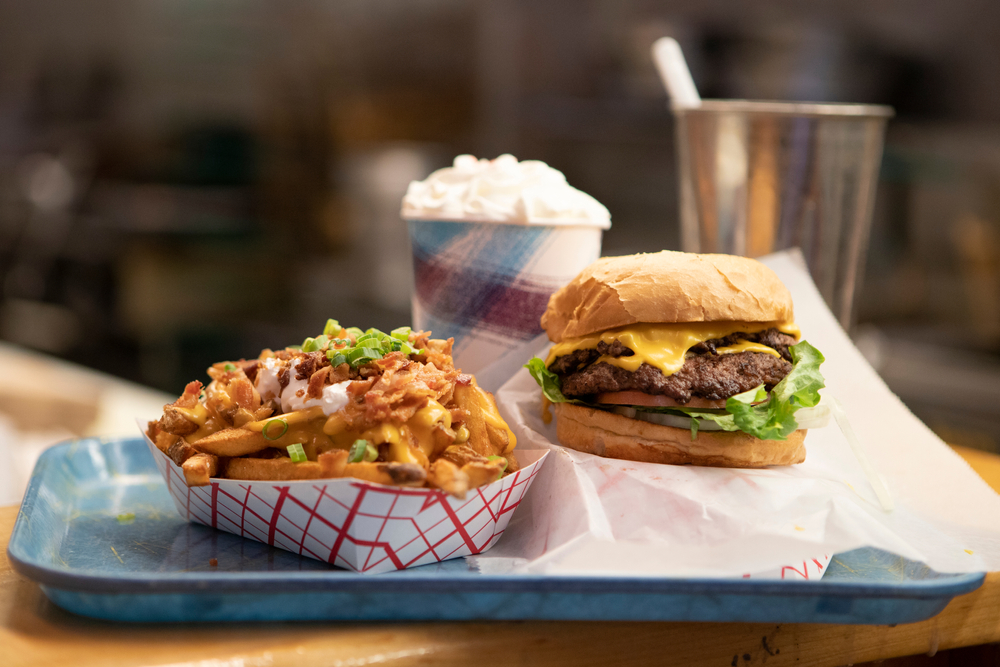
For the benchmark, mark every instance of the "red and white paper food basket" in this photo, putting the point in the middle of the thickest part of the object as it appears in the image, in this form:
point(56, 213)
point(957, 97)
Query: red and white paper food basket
point(358, 525)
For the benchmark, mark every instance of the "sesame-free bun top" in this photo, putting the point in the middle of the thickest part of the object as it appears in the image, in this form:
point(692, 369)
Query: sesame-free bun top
point(666, 287)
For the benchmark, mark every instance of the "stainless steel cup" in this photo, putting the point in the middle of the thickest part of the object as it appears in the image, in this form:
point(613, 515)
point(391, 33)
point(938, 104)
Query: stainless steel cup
point(756, 177)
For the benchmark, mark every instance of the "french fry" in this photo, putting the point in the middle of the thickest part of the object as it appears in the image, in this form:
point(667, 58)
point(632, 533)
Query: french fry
point(199, 469)
point(499, 439)
point(466, 396)
point(232, 442)
point(334, 464)
point(279, 469)
point(180, 451)
point(243, 417)
point(482, 473)
point(443, 438)
point(446, 476)
point(160, 438)
point(392, 474)
point(176, 421)
point(462, 454)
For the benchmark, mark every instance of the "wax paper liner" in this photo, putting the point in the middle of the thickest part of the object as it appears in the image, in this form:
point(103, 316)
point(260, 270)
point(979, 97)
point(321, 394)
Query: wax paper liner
point(361, 526)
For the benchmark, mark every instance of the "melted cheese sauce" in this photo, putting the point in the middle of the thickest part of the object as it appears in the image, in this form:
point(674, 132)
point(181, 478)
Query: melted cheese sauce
point(207, 423)
point(664, 346)
point(412, 442)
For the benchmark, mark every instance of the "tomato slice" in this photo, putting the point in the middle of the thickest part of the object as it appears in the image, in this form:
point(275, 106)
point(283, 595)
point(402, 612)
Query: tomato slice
point(652, 400)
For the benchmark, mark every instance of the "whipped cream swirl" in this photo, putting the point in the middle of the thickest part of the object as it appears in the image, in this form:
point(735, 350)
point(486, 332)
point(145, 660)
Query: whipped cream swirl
point(502, 190)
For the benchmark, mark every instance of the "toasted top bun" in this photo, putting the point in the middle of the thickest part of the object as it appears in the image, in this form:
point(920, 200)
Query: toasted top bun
point(666, 287)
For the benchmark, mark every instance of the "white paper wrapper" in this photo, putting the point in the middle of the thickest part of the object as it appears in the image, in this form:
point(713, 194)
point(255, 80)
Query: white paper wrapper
point(593, 515)
point(358, 525)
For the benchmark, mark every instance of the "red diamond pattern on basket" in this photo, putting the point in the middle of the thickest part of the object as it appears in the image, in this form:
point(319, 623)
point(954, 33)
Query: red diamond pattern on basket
point(357, 525)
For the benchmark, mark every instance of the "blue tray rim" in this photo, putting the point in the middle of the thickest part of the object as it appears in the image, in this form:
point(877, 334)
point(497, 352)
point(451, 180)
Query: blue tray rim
point(943, 585)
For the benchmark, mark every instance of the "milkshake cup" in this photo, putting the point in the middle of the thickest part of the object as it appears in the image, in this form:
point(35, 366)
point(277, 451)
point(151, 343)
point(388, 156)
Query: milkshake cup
point(491, 241)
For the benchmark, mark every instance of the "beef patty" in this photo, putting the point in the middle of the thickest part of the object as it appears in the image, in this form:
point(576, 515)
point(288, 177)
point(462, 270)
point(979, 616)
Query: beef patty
point(705, 374)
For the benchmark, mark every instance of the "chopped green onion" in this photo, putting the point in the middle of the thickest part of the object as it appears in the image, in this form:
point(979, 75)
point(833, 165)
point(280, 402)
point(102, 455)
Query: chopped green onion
point(373, 336)
point(341, 341)
point(128, 517)
point(322, 342)
point(354, 331)
point(336, 358)
point(406, 348)
point(229, 367)
point(296, 453)
point(332, 327)
point(294, 347)
point(491, 459)
point(402, 333)
point(309, 345)
point(371, 454)
point(358, 451)
point(360, 355)
point(267, 427)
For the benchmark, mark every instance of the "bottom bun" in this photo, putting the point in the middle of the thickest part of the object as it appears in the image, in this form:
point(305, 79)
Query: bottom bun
point(618, 437)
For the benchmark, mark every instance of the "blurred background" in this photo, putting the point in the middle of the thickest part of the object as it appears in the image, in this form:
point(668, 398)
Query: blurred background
point(183, 182)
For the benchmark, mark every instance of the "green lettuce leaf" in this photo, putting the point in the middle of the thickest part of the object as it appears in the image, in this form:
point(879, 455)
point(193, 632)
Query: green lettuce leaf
point(548, 381)
point(775, 419)
point(770, 420)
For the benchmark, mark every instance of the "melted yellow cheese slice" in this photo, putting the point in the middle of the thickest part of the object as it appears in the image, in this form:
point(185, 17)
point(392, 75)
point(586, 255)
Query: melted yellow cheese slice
point(664, 346)
point(747, 346)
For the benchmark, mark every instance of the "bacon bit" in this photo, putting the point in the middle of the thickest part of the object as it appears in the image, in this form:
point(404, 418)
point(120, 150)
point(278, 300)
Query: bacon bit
point(309, 363)
point(243, 393)
point(317, 381)
point(250, 368)
point(464, 380)
point(189, 398)
point(436, 351)
point(359, 388)
point(404, 387)
point(341, 373)
point(214, 562)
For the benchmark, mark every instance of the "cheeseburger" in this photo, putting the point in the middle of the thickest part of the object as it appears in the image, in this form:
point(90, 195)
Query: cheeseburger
point(680, 358)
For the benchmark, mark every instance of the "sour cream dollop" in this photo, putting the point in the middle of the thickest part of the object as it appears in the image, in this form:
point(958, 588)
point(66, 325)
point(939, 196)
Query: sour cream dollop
point(333, 398)
point(502, 190)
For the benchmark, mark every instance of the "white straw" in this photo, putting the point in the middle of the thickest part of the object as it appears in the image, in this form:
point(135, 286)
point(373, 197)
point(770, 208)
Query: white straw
point(859, 453)
point(676, 76)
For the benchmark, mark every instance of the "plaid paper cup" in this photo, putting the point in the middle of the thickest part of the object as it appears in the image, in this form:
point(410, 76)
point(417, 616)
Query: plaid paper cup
point(487, 284)
point(361, 526)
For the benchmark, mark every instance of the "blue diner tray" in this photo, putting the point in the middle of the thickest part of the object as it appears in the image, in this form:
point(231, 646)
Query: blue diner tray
point(74, 536)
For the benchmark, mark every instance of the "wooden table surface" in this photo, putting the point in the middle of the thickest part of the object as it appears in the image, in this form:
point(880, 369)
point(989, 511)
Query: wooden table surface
point(35, 632)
